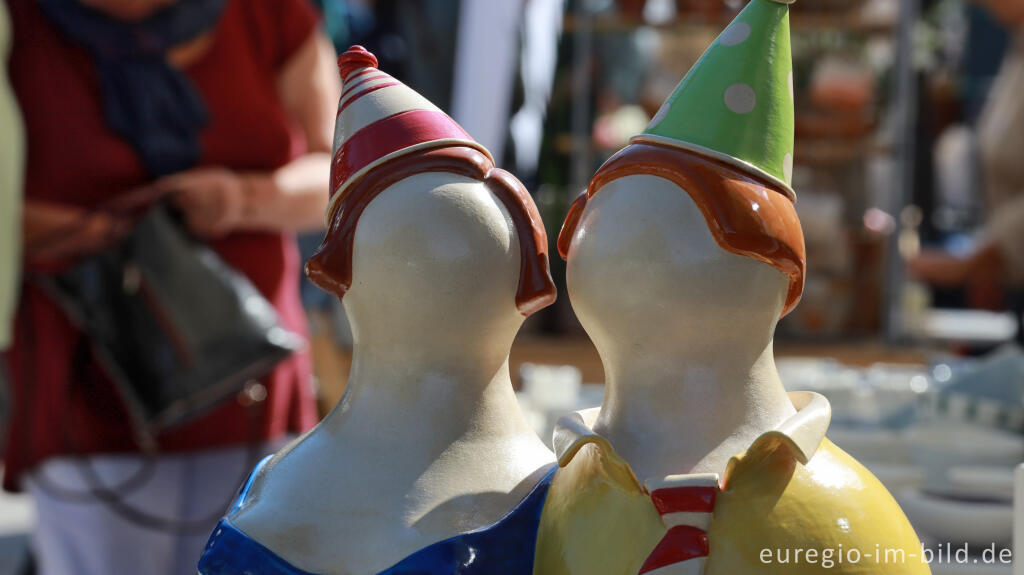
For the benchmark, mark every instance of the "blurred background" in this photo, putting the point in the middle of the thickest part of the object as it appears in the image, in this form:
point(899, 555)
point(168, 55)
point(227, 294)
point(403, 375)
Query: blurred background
point(910, 321)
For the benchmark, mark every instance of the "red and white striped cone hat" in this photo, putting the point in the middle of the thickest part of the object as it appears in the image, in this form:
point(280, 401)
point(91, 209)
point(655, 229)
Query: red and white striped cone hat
point(379, 119)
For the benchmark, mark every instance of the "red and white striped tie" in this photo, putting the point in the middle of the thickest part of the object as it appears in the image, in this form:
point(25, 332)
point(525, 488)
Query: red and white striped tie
point(685, 503)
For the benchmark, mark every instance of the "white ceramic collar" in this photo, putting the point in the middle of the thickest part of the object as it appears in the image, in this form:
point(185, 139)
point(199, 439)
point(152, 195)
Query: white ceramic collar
point(803, 432)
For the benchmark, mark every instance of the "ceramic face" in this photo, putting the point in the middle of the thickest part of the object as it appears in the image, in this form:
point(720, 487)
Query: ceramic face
point(441, 250)
point(427, 456)
point(643, 266)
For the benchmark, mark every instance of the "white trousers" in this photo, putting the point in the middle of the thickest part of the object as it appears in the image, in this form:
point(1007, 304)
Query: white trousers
point(91, 538)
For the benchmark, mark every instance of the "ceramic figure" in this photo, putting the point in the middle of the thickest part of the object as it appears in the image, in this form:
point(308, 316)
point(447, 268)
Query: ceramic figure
point(426, 465)
point(682, 255)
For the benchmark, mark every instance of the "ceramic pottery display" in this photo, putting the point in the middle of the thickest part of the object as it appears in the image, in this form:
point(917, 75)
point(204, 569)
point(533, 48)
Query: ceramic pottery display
point(426, 465)
point(682, 255)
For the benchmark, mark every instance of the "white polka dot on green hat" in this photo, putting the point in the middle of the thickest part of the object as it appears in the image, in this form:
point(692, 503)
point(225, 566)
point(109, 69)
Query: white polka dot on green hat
point(736, 103)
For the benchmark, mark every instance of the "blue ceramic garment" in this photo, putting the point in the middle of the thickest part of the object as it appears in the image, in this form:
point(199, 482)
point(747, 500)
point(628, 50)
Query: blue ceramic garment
point(507, 547)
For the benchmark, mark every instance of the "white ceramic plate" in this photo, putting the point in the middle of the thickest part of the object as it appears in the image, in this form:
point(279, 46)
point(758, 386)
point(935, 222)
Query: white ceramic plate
point(994, 483)
point(958, 522)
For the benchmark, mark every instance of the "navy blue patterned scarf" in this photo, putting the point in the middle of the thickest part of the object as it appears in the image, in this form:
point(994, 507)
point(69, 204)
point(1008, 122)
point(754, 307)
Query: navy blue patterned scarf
point(146, 100)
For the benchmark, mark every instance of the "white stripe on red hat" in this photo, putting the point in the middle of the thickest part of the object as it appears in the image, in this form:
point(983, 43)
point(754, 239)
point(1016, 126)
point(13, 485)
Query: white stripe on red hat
point(361, 82)
point(360, 108)
point(409, 130)
point(380, 118)
point(361, 72)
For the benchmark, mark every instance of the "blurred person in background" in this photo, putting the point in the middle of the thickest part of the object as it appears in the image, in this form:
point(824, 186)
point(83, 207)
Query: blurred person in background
point(11, 171)
point(12, 152)
point(997, 262)
point(227, 106)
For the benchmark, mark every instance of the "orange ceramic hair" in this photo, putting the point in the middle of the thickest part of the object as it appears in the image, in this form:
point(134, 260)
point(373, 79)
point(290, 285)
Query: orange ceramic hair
point(746, 216)
point(331, 267)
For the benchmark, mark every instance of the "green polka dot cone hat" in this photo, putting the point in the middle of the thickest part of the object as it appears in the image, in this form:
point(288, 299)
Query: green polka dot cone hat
point(736, 103)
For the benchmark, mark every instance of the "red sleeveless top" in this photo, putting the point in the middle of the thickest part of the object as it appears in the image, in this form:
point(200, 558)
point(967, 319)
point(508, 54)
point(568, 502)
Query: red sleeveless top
point(62, 402)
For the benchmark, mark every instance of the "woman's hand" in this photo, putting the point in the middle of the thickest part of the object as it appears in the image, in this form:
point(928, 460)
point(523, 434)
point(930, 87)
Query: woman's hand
point(213, 200)
point(54, 232)
point(217, 201)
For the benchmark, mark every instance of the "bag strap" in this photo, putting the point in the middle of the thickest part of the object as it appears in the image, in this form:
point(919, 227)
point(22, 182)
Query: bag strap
point(114, 497)
point(128, 204)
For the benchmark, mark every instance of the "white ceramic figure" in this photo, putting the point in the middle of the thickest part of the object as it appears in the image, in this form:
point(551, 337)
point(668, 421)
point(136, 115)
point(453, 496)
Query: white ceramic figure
point(682, 256)
point(426, 465)
point(684, 328)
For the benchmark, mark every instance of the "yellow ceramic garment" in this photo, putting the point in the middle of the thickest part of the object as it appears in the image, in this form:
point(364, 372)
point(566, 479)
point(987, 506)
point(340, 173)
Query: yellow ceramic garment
point(791, 490)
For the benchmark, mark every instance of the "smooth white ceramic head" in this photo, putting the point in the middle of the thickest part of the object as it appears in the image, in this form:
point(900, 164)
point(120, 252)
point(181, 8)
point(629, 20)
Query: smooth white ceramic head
point(435, 269)
point(684, 329)
point(428, 441)
point(646, 275)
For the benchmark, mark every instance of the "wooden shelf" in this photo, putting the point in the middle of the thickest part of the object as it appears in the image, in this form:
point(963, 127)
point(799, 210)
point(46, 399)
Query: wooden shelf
point(800, 22)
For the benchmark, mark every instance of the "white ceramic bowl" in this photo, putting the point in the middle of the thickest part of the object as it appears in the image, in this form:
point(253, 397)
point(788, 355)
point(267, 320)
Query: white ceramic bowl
point(939, 446)
point(992, 483)
point(957, 522)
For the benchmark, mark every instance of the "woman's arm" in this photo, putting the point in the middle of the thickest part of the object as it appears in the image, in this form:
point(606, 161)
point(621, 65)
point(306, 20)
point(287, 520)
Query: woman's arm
point(297, 193)
point(1004, 233)
point(52, 232)
point(996, 263)
point(217, 201)
point(310, 87)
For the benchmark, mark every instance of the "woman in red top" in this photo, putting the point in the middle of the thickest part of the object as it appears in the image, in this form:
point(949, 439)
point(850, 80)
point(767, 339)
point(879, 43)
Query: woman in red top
point(267, 88)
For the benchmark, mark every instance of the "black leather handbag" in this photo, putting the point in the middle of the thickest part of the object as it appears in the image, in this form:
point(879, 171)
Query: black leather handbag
point(176, 328)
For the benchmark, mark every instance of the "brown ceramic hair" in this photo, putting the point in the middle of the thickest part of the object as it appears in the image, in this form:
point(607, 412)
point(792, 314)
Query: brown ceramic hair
point(331, 267)
point(747, 217)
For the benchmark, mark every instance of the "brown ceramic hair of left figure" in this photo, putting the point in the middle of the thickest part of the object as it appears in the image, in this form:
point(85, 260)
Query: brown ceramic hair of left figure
point(331, 267)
